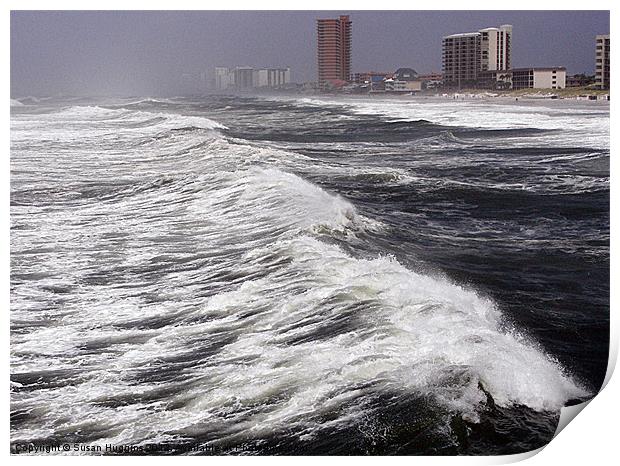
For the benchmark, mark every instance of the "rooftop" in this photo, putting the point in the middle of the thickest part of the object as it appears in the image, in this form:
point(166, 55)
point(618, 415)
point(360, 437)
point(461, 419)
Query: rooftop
point(463, 34)
point(537, 68)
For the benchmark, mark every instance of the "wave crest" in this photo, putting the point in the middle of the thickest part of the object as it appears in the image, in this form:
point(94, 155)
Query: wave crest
point(137, 118)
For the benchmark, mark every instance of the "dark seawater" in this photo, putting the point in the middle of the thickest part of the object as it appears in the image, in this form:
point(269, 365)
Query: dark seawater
point(306, 276)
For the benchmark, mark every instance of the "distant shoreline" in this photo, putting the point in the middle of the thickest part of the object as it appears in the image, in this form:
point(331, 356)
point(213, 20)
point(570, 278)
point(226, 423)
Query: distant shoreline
point(521, 95)
point(566, 93)
point(572, 93)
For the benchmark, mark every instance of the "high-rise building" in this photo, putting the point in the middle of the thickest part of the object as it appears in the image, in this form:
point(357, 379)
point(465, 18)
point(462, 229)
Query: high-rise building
point(461, 59)
point(602, 61)
point(272, 77)
point(245, 78)
point(467, 55)
point(495, 45)
point(334, 50)
point(223, 78)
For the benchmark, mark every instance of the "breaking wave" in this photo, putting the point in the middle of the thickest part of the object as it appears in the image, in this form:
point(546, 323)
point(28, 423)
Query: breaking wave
point(197, 286)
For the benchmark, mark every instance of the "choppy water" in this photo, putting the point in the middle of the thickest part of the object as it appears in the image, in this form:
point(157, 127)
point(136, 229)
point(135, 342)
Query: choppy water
point(306, 276)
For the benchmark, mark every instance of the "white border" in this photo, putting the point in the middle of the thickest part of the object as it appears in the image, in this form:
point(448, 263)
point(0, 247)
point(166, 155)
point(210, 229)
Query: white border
point(590, 439)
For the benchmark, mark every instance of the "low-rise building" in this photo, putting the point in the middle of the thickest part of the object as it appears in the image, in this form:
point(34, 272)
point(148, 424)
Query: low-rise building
point(579, 80)
point(433, 76)
point(496, 80)
point(397, 85)
point(431, 80)
point(406, 74)
point(369, 77)
point(538, 78)
point(403, 80)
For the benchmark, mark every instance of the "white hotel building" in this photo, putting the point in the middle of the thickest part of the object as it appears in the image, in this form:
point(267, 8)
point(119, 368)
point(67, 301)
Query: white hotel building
point(467, 55)
point(538, 78)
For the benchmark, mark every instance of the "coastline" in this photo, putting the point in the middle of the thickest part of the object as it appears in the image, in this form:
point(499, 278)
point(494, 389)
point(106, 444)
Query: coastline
point(529, 95)
point(576, 93)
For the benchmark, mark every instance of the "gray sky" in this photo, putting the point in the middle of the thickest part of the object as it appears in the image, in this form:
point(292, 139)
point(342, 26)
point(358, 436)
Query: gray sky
point(146, 53)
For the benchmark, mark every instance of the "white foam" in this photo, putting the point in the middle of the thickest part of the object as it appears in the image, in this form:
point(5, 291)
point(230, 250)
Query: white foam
point(425, 336)
point(299, 328)
point(487, 114)
point(85, 115)
point(87, 112)
point(408, 332)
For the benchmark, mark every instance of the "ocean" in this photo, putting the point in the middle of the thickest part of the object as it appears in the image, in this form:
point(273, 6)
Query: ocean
point(295, 275)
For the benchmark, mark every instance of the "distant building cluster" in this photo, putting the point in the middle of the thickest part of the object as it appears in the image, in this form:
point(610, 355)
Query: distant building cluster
point(245, 78)
point(472, 60)
point(481, 59)
point(403, 80)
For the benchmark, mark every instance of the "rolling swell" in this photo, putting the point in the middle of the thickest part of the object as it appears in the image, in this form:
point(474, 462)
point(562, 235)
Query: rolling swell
point(225, 297)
